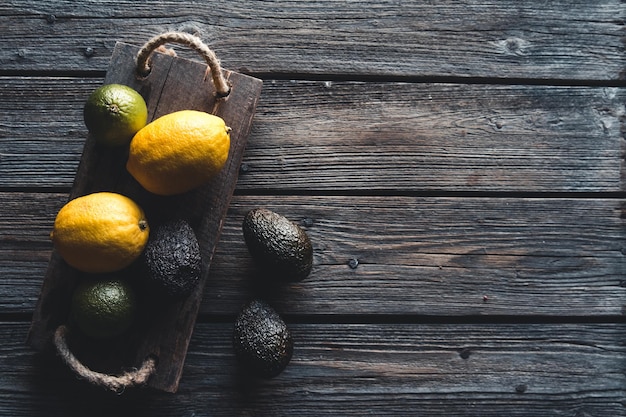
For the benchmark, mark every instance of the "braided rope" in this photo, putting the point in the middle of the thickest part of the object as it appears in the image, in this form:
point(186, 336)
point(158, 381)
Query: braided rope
point(113, 383)
point(222, 87)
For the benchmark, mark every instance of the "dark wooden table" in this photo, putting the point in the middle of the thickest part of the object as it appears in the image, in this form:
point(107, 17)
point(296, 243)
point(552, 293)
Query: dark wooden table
point(459, 166)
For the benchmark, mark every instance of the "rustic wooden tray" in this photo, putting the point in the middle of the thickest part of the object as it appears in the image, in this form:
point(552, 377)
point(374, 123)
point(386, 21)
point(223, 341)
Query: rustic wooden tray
point(164, 331)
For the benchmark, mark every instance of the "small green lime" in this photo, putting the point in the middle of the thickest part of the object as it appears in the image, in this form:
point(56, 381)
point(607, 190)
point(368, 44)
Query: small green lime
point(113, 114)
point(103, 308)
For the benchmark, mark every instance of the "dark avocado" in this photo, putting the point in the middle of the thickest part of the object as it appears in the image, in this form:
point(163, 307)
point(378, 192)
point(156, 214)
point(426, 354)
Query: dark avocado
point(279, 246)
point(262, 342)
point(170, 264)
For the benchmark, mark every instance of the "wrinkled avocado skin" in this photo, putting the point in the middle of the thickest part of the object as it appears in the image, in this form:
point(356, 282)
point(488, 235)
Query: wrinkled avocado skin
point(277, 245)
point(171, 262)
point(262, 342)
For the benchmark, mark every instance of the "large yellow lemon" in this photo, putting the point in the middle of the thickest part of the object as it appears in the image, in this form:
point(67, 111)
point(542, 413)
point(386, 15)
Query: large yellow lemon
point(100, 232)
point(179, 152)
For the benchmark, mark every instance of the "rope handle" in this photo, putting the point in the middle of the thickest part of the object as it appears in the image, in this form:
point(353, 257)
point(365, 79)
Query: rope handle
point(222, 87)
point(116, 384)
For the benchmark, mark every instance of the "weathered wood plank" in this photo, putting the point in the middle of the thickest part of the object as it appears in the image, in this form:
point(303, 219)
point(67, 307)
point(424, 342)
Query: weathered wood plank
point(355, 370)
point(472, 38)
point(357, 137)
point(443, 255)
point(427, 256)
point(350, 136)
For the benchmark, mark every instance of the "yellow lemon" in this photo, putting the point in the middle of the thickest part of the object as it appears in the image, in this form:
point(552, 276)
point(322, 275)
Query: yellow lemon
point(100, 232)
point(179, 151)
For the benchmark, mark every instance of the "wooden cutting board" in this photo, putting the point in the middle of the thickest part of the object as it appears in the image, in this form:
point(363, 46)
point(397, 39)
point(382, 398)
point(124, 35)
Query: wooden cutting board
point(163, 331)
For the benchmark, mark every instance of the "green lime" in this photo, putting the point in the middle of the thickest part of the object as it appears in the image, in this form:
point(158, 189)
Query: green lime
point(103, 308)
point(113, 114)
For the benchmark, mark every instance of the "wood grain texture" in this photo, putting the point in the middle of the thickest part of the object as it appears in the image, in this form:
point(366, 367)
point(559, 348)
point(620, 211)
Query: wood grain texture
point(433, 255)
point(575, 39)
point(358, 137)
point(417, 137)
point(355, 370)
point(426, 256)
